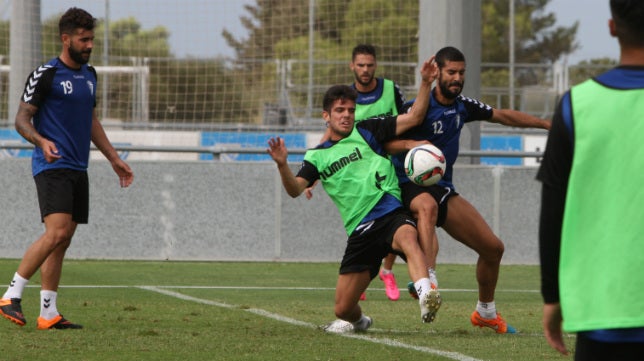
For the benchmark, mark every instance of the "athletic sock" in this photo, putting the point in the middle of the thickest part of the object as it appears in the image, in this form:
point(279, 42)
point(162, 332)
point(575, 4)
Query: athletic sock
point(48, 308)
point(362, 323)
point(486, 309)
point(16, 287)
point(422, 287)
point(386, 271)
point(432, 277)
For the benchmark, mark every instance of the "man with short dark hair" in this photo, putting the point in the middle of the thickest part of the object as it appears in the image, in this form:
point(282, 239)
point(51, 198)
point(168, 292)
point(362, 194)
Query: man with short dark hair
point(449, 111)
point(360, 179)
point(591, 233)
point(60, 99)
point(377, 97)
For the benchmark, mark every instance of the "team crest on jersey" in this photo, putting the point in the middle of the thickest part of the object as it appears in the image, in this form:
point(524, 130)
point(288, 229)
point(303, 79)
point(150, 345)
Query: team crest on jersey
point(90, 85)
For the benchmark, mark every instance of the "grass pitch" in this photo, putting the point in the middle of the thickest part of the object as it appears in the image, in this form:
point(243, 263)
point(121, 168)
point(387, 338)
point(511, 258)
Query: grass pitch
point(265, 311)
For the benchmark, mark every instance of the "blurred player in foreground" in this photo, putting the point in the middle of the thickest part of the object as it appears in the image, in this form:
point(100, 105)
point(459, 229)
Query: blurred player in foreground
point(591, 232)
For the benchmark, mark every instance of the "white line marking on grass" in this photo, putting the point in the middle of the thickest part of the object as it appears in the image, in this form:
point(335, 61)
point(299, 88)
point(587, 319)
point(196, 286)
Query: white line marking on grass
point(277, 317)
point(388, 342)
point(186, 297)
point(447, 290)
point(254, 288)
point(383, 341)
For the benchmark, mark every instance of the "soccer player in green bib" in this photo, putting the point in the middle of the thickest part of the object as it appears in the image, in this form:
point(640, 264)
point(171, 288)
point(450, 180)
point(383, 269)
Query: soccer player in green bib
point(591, 234)
point(376, 97)
point(357, 174)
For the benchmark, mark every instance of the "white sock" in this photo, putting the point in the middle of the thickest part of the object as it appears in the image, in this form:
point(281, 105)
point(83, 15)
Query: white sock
point(386, 271)
point(16, 287)
point(362, 323)
point(48, 304)
point(422, 287)
point(432, 277)
point(486, 309)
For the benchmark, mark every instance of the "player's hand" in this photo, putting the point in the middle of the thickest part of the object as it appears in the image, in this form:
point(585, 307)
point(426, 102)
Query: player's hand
point(429, 70)
point(126, 176)
point(308, 192)
point(277, 150)
point(552, 320)
point(547, 123)
point(49, 150)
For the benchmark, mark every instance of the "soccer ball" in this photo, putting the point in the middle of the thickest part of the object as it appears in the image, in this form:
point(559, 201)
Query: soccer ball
point(425, 165)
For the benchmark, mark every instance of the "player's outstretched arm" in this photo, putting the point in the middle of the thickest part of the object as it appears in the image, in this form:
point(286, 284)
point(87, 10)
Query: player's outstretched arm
point(293, 185)
point(415, 116)
point(402, 145)
point(515, 118)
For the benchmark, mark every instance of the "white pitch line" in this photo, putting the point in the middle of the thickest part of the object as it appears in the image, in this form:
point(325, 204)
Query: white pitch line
point(446, 290)
point(371, 330)
point(383, 341)
point(186, 297)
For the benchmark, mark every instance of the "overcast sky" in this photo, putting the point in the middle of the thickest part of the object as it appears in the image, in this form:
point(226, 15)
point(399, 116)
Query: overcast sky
point(592, 34)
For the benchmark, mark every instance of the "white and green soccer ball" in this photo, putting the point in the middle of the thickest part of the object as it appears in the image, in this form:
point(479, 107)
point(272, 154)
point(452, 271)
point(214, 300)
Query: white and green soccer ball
point(425, 165)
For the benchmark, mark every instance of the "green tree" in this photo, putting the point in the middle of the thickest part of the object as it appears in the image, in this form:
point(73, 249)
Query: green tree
point(279, 29)
point(589, 68)
point(186, 91)
point(126, 39)
point(537, 40)
point(194, 91)
point(4, 39)
point(393, 25)
point(268, 22)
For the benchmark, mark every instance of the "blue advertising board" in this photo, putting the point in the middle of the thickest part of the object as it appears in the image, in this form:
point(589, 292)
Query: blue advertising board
point(250, 140)
point(11, 136)
point(504, 143)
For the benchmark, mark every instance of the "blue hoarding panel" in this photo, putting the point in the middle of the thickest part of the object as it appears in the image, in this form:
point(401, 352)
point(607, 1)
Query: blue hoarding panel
point(250, 140)
point(505, 143)
point(11, 136)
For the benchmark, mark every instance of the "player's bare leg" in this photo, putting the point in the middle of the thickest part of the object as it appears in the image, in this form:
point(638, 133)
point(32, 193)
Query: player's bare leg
point(425, 210)
point(466, 225)
point(347, 309)
point(406, 240)
point(59, 229)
